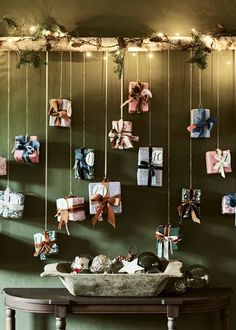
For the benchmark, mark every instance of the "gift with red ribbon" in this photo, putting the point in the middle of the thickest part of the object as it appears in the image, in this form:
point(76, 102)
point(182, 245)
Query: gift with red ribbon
point(60, 112)
point(190, 206)
point(45, 244)
point(218, 161)
point(121, 134)
point(168, 237)
point(139, 97)
point(105, 198)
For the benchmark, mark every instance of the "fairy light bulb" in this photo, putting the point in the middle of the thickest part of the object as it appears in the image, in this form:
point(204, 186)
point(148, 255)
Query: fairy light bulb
point(105, 58)
point(88, 54)
point(133, 54)
point(33, 28)
point(150, 55)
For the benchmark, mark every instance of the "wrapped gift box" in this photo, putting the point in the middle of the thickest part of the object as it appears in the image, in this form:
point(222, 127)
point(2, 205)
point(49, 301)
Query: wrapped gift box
point(60, 112)
point(11, 204)
point(3, 166)
point(105, 198)
point(167, 237)
point(26, 149)
point(139, 97)
point(45, 244)
point(201, 123)
point(190, 206)
point(84, 163)
point(218, 161)
point(150, 164)
point(229, 204)
point(121, 134)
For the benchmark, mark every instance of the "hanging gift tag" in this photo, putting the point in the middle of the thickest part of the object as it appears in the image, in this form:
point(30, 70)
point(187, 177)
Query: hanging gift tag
point(84, 163)
point(201, 123)
point(26, 149)
point(218, 161)
point(60, 112)
point(3, 166)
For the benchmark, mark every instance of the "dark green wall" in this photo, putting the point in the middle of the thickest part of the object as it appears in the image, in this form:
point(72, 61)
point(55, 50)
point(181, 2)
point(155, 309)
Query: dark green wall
point(211, 244)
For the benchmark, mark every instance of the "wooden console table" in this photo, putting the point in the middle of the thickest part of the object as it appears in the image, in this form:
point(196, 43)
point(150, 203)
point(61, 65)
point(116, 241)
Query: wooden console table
point(60, 302)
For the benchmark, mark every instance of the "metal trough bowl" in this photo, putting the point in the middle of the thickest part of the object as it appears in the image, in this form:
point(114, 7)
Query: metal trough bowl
point(123, 285)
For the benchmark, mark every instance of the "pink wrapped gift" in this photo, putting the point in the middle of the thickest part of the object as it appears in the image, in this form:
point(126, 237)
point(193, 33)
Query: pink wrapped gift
point(121, 134)
point(3, 166)
point(139, 97)
point(218, 161)
point(26, 149)
point(69, 208)
point(228, 204)
point(60, 112)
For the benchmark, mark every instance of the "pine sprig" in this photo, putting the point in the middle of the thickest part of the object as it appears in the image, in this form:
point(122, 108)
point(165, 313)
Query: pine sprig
point(11, 23)
point(30, 57)
point(118, 60)
point(200, 51)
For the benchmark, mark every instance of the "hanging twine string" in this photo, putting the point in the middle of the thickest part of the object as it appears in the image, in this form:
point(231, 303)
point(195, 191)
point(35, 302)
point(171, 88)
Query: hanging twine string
point(121, 94)
point(70, 96)
point(61, 63)
point(200, 87)
point(218, 99)
point(168, 134)
point(27, 98)
point(137, 66)
point(8, 116)
point(84, 99)
point(46, 146)
point(106, 114)
point(190, 106)
point(150, 108)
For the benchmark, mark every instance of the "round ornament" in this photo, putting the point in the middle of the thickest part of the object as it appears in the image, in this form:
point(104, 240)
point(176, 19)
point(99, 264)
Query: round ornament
point(101, 264)
point(148, 260)
point(81, 263)
point(180, 286)
point(197, 276)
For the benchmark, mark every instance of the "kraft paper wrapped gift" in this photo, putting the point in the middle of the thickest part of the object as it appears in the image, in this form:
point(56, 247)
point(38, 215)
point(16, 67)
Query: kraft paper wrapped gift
point(11, 204)
point(218, 161)
point(139, 97)
point(201, 123)
point(84, 163)
point(60, 112)
point(121, 134)
point(26, 149)
point(45, 244)
point(70, 208)
point(228, 204)
point(105, 198)
point(167, 237)
point(190, 206)
point(150, 164)
point(3, 166)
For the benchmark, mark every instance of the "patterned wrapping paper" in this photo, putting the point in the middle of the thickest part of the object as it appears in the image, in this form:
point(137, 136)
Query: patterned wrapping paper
point(26, 149)
point(150, 164)
point(121, 134)
point(60, 112)
point(84, 163)
point(11, 204)
point(201, 123)
point(168, 237)
point(139, 97)
point(3, 166)
point(190, 206)
point(218, 161)
point(228, 204)
point(45, 244)
point(105, 198)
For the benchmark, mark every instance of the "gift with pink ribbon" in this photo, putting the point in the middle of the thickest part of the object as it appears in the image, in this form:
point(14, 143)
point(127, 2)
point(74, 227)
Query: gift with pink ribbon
point(218, 161)
point(168, 237)
point(121, 134)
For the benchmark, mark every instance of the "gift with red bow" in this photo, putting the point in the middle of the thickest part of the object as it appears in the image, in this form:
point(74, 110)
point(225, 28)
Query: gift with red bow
point(168, 237)
point(60, 112)
point(45, 244)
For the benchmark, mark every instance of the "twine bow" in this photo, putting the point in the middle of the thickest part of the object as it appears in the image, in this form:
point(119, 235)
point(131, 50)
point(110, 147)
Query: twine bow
point(202, 123)
point(28, 147)
point(223, 160)
point(121, 138)
point(56, 111)
point(166, 241)
point(190, 208)
point(44, 246)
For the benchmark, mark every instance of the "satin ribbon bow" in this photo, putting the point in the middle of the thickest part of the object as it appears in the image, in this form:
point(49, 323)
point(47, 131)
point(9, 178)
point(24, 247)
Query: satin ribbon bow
point(165, 242)
point(139, 93)
point(105, 205)
point(44, 246)
point(202, 123)
point(28, 147)
point(56, 112)
point(190, 208)
point(222, 160)
point(150, 166)
point(121, 139)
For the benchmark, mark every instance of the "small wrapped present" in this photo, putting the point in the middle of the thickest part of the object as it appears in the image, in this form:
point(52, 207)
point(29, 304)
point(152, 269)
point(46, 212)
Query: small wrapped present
point(105, 198)
point(70, 208)
point(150, 164)
point(121, 134)
point(3, 166)
point(26, 149)
point(11, 204)
point(45, 244)
point(190, 206)
point(229, 204)
point(60, 113)
point(201, 123)
point(168, 237)
point(218, 161)
point(139, 97)
point(84, 163)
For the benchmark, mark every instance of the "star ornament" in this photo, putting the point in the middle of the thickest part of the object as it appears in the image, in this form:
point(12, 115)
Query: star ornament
point(130, 267)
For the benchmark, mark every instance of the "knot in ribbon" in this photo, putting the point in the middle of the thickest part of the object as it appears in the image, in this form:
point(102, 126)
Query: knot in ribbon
point(28, 147)
point(223, 159)
point(44, 246)
point(166, 241)
point(190, 208)
point(202, 123)
point(120, 137)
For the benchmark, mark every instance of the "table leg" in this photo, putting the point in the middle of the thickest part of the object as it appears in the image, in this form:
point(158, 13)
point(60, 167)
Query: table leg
point(172, 316)
point(10, 319)
point(224, 319)
point(60, 312)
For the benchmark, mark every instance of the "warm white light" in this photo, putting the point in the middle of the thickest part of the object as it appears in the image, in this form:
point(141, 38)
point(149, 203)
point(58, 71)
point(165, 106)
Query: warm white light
point(228, 62)
point(160, 34)
point(33, 28)
point(118, 52)
point(105, 58)
point(177, 34)
point(193, 30)
point(134, 54)
point(150, 55)
point(45, 32)
point(88, 54)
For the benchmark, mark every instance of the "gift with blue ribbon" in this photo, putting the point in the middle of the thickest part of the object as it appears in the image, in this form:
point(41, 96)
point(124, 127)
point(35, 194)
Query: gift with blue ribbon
point(26, 149)
point(228, 205)
point(201, 123)
point(84, 163)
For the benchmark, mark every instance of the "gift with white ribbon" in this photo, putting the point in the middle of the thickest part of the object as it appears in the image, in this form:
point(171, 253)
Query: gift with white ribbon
point(11, 204)
point(218, 161)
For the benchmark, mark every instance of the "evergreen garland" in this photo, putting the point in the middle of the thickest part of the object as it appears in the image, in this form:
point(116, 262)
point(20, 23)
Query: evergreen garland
point(30, 57)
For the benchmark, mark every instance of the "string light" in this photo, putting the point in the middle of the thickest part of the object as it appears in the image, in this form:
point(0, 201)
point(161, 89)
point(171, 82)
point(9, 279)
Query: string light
point(150, 55)
point(33, 28)
point(105, 58)
point(193, 30)
point(228, 62)
point(88, 54)
point(177, 34)
point(134, 54)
